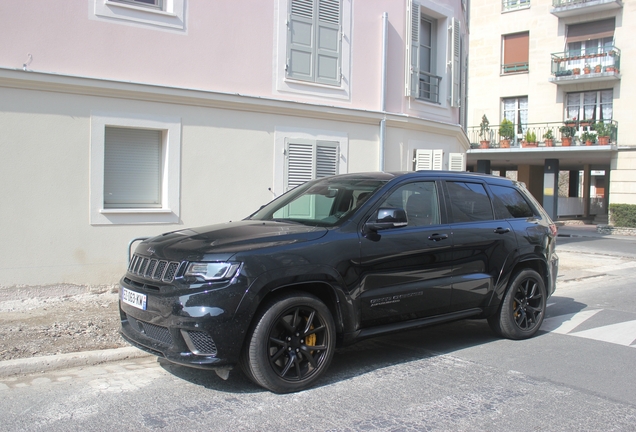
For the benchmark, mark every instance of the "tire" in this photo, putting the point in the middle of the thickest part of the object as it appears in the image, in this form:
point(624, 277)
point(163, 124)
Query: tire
point(523, 307)
point(291, 343)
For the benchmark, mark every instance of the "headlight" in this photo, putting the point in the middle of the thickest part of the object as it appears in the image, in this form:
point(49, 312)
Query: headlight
point(213, 271)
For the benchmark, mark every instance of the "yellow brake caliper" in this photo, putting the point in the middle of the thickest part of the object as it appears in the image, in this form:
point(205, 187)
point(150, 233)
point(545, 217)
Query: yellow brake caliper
point(311, 339)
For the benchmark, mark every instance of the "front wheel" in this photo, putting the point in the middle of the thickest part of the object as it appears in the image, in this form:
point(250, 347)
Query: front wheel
point(523, 307)
point(291, 344)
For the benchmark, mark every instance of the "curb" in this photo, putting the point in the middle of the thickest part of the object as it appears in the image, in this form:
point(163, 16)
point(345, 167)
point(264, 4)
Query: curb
point(65, 361)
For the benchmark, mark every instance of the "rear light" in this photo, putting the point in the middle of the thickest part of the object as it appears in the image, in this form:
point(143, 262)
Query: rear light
point(554, 230)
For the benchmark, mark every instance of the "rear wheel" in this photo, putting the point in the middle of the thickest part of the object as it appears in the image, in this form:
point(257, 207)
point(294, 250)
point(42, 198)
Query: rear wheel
point(291, 344)
point(523, 307)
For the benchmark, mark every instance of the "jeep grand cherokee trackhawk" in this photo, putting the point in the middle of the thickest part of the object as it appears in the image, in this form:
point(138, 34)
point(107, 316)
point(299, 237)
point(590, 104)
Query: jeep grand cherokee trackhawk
point(337, 260)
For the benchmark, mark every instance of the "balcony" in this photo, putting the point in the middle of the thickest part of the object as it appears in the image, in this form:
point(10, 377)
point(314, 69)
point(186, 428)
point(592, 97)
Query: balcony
point(549, 134)
point(428, 89)
point(572, 67)
point(569, 8)
point(510, 5)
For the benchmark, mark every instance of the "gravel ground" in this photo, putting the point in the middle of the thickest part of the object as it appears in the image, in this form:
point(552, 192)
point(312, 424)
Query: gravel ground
point(60, 319)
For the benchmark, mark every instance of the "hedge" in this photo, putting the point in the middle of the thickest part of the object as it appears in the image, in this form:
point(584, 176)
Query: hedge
point(623, 215)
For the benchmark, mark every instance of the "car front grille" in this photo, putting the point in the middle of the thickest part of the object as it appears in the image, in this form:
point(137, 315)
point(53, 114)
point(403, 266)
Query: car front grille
point(200, 343)
point(152, 268)
point(158, 333)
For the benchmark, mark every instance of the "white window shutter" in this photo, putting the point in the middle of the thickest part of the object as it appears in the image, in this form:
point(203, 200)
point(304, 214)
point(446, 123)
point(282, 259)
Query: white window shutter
point(423, 159)
point(455, 63)
point(328, 42)
point(457, 162)
point(412, 78)
point(438, 159)
point(308, 160)
point(300, 40)
point(132, 168)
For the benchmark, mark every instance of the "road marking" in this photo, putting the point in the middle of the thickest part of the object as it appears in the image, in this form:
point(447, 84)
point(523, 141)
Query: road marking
point(622, 333)
point(563, 324)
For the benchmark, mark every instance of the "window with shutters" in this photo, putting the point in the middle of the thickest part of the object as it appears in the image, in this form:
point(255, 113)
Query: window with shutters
point(308, 160)
point(314, 50)
point(135, 169)
point(515, 53)
point(427, 50)
point(589, 43)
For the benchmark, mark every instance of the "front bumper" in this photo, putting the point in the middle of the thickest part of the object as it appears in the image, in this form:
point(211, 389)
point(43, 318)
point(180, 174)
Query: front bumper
point(195, 327)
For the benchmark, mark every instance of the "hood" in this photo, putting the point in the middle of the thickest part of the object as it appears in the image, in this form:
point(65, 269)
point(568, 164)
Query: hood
point(227, 239)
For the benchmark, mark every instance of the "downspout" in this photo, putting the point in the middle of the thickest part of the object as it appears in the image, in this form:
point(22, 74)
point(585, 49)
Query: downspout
point(385, 26)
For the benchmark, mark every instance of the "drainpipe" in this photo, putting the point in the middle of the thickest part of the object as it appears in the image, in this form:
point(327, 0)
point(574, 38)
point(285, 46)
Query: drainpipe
point(385, 26)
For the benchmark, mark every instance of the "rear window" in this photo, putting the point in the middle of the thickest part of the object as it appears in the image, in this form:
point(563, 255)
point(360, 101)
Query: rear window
point(510, 203)
point(469, 202)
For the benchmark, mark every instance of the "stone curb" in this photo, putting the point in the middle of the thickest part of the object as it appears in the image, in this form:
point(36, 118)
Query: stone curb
point(65, 361)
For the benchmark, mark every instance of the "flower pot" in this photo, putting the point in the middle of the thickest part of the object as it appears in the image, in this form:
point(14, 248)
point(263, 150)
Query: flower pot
point(566, 141)
point(587, 70)
point(504, 143)
point(576, 71)
point(589, 143)
point(484, 144)
point(528, 144)
point(597, 69)
point(603, 140)
point(549, 142)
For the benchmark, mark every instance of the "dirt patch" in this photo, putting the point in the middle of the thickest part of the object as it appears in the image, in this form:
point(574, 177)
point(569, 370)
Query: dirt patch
point(41, 321)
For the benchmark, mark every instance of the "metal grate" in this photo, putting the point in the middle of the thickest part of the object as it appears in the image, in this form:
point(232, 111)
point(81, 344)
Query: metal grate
point(201, 343)
point(158, 333)
point(162, 270)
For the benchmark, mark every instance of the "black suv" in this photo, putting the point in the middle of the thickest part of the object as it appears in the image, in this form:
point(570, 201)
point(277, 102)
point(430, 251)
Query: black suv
point(337, 260)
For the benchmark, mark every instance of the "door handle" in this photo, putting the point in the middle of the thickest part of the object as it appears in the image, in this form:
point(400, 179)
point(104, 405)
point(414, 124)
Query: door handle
point(502, 230)
point(438, 237)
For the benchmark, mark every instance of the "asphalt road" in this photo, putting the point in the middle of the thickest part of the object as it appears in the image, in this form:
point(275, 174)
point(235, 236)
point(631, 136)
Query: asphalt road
point(577, 374)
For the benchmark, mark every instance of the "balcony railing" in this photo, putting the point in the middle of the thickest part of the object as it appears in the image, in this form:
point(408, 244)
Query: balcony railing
point(560, 131)
point(508, 5)
point(568, 8)
point(514, 67)
point(575, 63)
point(429, 87)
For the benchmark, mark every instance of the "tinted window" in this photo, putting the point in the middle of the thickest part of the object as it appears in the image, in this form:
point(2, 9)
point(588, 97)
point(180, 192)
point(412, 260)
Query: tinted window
point(469, 202)
point(510, 204)
point(419, 200)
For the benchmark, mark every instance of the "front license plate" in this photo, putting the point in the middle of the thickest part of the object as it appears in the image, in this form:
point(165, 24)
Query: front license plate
point(133, 298)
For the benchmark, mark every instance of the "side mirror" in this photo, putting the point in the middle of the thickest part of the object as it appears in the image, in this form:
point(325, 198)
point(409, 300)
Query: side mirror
point(387, 218)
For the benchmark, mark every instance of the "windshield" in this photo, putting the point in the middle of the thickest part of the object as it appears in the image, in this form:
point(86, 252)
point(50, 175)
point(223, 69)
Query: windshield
point(323, 202)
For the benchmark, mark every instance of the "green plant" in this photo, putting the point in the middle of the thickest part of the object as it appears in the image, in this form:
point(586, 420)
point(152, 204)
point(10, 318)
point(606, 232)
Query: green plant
point(530, 137)
point(506, 129)
point(484, 128)
point(548, 134)
point(588, 136)
point(567, 131)
point(604, 129)
point(623, 215)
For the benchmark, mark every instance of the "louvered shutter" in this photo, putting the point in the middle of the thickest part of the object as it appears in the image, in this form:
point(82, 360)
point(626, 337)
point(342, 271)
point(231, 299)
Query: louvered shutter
point(300, 40)
point(328, 43)
point(426, 159)
point(132, 168)
point(457, 162)
point(413, 49)
point(308, 160)
point(455, 64)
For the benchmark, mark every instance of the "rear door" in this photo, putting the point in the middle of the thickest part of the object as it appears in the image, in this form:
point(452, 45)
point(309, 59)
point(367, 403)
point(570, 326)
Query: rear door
point(406, 272)
point(482, 244)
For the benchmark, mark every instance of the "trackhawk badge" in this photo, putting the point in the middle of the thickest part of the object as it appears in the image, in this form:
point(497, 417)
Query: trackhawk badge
point(150, 250)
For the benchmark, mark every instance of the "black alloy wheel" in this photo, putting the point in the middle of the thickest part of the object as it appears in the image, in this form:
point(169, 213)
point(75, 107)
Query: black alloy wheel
point(523, 307)
point(291, 345)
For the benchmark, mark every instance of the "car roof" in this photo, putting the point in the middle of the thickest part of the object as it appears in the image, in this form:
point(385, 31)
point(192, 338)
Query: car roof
point(379, 175)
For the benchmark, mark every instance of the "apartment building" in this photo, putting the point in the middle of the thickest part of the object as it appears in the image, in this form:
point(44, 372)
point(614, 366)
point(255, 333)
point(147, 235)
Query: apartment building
point(128, 118)
point(558, 71)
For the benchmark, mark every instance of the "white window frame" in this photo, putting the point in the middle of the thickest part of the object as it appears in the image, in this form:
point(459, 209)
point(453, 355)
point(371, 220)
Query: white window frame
point(171, 16)
point(169, 212)
point(284, 135)
point(285, 85)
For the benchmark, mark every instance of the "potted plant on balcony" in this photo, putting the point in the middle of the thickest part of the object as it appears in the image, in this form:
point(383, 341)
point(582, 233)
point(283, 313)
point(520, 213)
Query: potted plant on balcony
point(571, 122)
point(506, 132)
point(604, 132)
point(484, 132)
point(589, 138)
point(548, 138)
point(567, 132)
point(587, 69)
point(529, 139)
point(598, 68)
point(576, 71)
point(585, 123)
